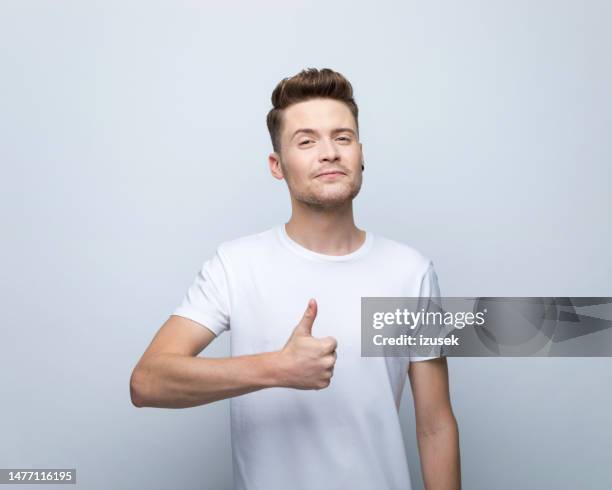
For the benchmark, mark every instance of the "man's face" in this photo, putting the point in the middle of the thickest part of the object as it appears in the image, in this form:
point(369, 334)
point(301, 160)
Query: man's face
point(319, 136)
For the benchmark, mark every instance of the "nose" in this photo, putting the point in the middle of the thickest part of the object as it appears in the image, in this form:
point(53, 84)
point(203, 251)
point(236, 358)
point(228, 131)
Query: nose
point(329, 151)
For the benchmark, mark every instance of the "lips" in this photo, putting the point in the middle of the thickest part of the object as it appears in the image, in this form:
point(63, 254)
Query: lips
point(331, 172)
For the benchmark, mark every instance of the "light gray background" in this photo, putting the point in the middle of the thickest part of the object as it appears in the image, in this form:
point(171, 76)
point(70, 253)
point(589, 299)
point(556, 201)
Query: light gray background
point(134, 141)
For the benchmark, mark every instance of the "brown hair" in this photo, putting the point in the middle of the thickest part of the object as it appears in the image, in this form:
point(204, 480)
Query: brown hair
point(308, 84)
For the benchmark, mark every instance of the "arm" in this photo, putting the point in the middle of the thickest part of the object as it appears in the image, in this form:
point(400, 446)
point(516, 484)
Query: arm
point(170, 376)
point(436, 427)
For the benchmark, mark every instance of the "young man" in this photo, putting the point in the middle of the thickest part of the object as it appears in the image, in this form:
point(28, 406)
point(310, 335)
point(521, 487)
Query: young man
point(291, 296)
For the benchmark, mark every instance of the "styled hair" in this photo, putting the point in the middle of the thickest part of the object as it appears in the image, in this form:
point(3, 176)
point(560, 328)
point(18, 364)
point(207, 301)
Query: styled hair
point(310, 83)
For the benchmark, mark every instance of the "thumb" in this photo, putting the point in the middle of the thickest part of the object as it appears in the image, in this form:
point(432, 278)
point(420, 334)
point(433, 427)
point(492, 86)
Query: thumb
point(305, 325)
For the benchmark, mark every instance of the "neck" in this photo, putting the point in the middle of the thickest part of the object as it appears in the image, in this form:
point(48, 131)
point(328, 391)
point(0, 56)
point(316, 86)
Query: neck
point(325, 231)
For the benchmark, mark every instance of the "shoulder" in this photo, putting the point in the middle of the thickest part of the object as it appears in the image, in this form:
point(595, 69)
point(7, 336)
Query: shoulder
point(395, 250)
point(246, 245)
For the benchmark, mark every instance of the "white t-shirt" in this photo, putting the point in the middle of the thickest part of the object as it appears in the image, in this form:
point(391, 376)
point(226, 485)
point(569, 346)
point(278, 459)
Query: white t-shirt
point(347, 435)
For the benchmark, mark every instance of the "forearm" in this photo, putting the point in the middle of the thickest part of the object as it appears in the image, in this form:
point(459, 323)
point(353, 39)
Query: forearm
point(179, 381)
point(440, 461)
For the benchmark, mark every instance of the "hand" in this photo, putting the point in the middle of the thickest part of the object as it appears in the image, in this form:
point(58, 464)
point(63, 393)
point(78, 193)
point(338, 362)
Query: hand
point(307, 363)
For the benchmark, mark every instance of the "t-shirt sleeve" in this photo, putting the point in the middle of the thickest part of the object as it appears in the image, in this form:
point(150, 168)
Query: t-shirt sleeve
point(207, 300)
point(429, 289)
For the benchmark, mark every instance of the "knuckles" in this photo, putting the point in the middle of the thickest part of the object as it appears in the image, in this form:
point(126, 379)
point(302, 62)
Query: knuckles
point(331, 343)
point(324, 383)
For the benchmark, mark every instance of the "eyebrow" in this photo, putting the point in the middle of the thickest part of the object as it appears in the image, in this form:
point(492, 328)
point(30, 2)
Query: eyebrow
point(313, 131)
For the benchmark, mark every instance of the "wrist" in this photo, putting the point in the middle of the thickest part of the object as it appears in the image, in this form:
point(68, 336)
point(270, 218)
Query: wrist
point(275, 370)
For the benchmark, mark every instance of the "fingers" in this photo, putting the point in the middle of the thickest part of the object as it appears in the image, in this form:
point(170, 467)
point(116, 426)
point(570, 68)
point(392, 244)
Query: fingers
point(331, 362)
point(308, 318)
point(329, 344)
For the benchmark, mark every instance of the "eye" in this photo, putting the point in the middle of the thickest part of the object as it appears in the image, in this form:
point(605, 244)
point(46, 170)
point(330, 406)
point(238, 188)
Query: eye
point(305, 141)
point(344, 138)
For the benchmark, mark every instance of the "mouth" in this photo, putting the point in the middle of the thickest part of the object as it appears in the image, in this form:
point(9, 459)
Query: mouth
point(330, 174)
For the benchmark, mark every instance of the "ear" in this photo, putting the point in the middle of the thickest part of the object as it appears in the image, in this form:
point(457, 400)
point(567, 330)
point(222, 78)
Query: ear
point(362, 161)
point(275, 166)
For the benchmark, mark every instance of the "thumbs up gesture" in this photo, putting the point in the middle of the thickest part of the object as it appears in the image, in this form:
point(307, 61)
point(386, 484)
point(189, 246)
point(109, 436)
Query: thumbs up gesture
point(308, 361)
